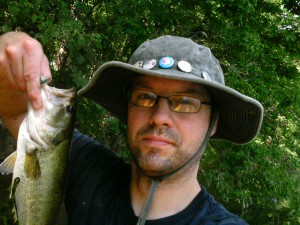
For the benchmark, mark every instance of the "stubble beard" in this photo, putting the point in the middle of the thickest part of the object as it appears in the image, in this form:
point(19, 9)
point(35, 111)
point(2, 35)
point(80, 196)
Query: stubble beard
point(152, 162)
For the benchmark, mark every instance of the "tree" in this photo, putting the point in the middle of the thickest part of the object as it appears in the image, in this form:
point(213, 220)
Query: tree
point(257, 43)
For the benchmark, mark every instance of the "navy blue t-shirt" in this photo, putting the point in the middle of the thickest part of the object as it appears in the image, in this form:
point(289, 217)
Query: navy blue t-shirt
point(98, 192)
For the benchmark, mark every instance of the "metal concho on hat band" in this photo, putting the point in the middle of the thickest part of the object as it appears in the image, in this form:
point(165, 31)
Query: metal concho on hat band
point(165, 63)
point(149, 64)
point(185, 66)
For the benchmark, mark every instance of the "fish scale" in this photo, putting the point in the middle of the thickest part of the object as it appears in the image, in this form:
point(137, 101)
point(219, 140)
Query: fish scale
point(43, 196)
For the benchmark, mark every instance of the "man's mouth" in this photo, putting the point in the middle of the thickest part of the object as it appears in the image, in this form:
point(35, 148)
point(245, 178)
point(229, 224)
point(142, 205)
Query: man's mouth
point(155, 140)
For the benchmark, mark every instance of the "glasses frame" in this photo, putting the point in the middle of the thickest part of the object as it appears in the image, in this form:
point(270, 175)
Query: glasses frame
point(165, 97)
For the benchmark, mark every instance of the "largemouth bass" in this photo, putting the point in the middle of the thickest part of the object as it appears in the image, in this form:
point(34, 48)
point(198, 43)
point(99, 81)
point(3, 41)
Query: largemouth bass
point(40, 162)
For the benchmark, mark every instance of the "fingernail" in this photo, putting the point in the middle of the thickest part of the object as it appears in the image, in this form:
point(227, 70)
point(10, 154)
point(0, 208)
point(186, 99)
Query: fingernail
point(36, 104)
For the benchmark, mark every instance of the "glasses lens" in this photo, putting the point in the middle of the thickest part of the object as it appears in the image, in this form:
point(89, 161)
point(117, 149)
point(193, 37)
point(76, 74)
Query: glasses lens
point(184, 104)
point(142, 98)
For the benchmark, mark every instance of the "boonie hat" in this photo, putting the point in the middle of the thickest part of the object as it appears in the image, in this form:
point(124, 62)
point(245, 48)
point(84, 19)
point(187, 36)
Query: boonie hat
point(178, 58)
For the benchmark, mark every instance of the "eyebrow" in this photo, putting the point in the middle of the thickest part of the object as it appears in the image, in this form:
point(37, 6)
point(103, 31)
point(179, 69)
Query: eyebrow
point(136, 83)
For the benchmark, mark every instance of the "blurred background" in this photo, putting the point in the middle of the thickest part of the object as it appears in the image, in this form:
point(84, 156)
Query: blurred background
point(257, 43)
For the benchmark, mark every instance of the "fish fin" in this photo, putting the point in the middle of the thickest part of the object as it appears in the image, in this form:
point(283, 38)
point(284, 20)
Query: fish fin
point(13, 195)
point(32, 166)
point(7, 166)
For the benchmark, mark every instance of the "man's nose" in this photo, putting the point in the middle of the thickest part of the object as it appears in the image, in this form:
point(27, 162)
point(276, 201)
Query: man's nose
point(161, 114)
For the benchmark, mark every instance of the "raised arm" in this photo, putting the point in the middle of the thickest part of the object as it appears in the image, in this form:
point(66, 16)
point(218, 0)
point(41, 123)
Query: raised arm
point(22, 62)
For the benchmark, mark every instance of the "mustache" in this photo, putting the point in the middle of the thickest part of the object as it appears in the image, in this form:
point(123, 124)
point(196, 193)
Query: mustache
point(164, 132)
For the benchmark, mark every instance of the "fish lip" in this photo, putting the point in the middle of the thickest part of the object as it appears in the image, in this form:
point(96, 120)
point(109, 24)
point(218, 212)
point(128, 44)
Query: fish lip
point(58, 92)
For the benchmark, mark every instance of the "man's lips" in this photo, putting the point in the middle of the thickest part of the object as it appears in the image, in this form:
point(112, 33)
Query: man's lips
point(157, 140)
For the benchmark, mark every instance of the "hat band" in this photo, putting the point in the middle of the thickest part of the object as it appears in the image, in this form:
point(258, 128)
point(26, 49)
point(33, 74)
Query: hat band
point(169, 63)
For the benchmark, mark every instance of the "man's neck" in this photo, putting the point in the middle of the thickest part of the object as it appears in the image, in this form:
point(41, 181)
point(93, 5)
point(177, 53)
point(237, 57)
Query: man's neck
point(172, 195)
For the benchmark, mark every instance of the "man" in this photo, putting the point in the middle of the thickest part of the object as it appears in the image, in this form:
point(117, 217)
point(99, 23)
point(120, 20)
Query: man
point(173, 98)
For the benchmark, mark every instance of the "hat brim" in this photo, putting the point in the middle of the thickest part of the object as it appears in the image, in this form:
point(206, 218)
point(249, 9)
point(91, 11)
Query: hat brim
point(240, 116)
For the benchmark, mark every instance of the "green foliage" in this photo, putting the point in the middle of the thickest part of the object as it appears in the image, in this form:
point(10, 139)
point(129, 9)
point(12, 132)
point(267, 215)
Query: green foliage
point(257, 43)
point(6, 213)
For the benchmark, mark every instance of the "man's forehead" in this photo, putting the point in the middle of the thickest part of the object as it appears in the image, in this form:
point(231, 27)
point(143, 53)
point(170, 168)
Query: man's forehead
point(153, 82)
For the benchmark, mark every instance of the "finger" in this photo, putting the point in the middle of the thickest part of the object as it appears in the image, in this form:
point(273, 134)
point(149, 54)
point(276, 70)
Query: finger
point(5, 73)
point(32, 60)
point(45, 70)
point(15, 71)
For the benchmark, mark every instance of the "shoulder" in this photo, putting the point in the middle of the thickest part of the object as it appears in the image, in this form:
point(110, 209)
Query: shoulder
point(84, 146)
point(212, 212)
point(89, 158)
point(95, 178)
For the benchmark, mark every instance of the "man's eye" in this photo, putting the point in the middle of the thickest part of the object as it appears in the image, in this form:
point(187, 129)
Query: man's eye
point(185, 101)
point(184, 104)
point(179, 101)
point(145, 97)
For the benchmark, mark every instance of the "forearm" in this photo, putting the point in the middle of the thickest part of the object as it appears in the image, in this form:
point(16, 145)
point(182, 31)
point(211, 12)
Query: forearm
point(13, 124)
point(13, 108)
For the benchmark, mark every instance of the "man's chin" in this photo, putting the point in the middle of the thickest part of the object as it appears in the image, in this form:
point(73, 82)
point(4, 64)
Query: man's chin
point(154, 169)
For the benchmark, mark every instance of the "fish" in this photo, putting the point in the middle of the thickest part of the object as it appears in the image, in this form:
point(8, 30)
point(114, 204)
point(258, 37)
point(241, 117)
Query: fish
point(39, 165)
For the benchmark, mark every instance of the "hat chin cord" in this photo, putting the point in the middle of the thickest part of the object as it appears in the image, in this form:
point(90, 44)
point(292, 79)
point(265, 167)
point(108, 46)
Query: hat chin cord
point(156, 179)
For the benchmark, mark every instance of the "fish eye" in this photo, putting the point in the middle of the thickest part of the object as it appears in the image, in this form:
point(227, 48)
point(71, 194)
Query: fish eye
point(70, 109)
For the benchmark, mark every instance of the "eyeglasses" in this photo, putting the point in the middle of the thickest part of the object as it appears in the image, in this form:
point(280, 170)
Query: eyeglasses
point(177, 103)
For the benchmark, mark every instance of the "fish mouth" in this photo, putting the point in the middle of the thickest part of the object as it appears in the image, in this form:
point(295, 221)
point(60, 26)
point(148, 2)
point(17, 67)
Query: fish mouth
point(48, 126)
point(59, 96)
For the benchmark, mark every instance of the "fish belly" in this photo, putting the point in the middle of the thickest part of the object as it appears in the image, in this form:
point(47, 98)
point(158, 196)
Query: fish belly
point(38, 200)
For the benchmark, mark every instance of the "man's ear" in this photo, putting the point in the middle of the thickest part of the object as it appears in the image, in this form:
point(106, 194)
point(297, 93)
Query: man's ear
point(215, 126)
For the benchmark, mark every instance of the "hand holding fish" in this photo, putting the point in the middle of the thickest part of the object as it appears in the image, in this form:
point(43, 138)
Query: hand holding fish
point(22, 61)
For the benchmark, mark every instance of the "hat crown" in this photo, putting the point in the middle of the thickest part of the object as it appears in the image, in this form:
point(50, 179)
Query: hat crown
point(181, 49)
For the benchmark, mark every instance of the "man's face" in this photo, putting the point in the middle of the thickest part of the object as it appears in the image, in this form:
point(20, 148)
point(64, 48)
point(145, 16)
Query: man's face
point(160, 139)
